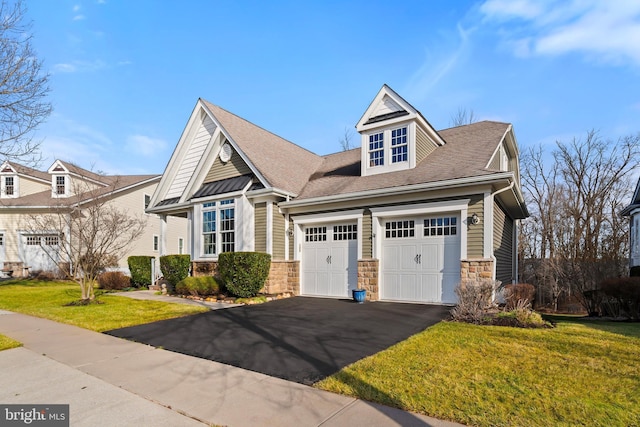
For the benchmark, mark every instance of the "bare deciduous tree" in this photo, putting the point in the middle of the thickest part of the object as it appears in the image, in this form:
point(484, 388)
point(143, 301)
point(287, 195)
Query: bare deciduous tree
point(93, 233)
point(463, 117)
point(345, 141)
point(23, 86)
point(575, 237)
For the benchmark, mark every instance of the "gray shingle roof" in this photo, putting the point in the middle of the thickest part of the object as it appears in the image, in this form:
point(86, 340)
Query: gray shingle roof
point(467, 151)
point(282, 163)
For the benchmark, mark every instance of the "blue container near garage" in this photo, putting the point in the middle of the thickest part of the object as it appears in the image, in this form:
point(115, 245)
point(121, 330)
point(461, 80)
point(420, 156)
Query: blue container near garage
point(359, 295)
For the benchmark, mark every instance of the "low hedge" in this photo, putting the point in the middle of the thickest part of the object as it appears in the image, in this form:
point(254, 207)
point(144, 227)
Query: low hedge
point(198, 286)
point(140, 269)
point(620, 297)
point(113, 280)
point(175, 268)
point(244, 273)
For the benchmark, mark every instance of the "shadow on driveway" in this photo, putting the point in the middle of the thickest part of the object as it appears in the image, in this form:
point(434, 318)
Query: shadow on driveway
point(298, 339)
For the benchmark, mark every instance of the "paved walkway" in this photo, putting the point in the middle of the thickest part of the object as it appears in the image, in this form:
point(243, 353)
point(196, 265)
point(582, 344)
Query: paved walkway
point(110, 381)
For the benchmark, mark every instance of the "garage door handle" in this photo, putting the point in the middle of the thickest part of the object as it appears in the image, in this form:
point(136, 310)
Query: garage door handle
point(420, 259)
point(328, 259)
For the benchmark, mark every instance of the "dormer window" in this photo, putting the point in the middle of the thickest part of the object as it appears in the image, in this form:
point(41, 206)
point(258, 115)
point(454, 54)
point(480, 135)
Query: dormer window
point(399, 147)
point(9, 186)
point(60, 186)
point(376, 149)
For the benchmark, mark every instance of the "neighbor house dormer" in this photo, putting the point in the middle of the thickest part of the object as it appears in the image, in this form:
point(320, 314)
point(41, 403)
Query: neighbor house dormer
point(60, 180)
point(394, 135)
point(8, 181)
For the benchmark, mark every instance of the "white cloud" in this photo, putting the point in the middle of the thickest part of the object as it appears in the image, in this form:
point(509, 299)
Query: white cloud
point(145, 145)
point(76, 8)
point(79, 66)
point(605, 31)
point(79, 17)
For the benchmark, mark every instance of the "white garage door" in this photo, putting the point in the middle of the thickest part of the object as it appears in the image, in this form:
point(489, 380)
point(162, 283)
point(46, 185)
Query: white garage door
point(40, 252)
point(421, 259)
point(329, 260)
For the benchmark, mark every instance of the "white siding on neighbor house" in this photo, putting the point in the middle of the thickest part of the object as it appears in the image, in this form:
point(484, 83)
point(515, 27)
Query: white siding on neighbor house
point(196, 149)
point(133, 203)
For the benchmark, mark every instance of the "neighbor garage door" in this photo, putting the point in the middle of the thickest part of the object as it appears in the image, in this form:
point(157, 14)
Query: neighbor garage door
point(40, 252)
point(329, 260)
point(421, 259)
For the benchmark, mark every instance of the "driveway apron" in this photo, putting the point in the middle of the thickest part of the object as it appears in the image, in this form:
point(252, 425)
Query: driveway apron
point(299, 339)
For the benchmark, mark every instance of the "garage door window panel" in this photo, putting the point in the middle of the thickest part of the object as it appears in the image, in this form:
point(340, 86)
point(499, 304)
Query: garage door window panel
point(441, 226)
point(400, 229)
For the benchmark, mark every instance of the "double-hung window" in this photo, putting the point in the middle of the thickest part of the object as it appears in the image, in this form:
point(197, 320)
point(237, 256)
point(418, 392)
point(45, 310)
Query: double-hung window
point(61, 186)
point(9, 186)
point(376, 149)
point(399, 145)
point(218, 227)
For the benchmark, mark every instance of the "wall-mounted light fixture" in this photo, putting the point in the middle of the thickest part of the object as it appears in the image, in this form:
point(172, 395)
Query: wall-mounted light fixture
point(475, 220)
point(289, 232)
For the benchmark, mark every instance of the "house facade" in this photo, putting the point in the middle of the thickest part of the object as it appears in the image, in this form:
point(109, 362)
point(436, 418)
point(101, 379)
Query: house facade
point(27, 193)
point(633, 212)
point(407, 216)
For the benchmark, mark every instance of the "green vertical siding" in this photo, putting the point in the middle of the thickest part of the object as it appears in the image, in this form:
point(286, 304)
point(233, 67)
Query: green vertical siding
point(366, 232)
point(475, 234)
point(260, 224)
point(278, 234)
point(502, 244)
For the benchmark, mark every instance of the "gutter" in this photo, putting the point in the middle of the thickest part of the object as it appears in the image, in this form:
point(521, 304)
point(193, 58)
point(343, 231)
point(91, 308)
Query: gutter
point(407, 189)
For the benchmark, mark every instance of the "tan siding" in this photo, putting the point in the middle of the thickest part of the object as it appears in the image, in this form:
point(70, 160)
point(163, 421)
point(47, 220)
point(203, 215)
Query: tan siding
point(234, 167)
point(365, 233)
point(260, 224)
point(424, 146)
point(503, 244)
point(28, 186)
point(278, 234)
point(196, 149)
point(475, 244)
point(291, 246)
point(495, 162)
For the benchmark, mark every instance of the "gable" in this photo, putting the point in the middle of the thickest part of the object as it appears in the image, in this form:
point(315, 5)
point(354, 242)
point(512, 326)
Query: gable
point(234, 167)
point(386, 109)
point(193, 154)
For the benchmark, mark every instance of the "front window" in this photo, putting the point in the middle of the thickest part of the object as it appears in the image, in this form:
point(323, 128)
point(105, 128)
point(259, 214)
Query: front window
point(218, 227)
point(60, 185)
point(399, 147)
point(147, 201)
point(156, 243)
point(9, 188)
point(376, 149)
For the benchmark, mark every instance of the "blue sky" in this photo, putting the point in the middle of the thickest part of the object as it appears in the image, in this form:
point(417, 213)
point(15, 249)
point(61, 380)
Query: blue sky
point(125, 75)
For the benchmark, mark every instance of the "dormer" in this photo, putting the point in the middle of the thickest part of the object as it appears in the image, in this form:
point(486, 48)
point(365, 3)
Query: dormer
point(394, 135)
point(60, 180)
point(8, 181)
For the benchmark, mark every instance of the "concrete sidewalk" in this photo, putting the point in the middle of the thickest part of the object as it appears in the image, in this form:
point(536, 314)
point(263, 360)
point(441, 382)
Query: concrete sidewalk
point(110, 381)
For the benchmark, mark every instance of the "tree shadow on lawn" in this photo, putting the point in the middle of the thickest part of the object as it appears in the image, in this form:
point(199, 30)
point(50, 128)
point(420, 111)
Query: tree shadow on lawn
point(621, 327)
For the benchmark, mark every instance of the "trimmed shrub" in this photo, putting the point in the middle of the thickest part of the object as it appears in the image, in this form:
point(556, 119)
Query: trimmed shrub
point(198, 286)
point(140, 268)
point(244, 273)
point(518, 293)
point(621, 297)
point(175, 268)
point(113, 280)
point(474, 301)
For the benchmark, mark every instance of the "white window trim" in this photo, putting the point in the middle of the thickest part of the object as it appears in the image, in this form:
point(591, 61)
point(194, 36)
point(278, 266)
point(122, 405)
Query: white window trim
point(156, 243)
point(460, 206)
point(144, 202)
point(54, 186)
point(16, 189)
point(197, 229)
point(388, 166)
point(300, 221)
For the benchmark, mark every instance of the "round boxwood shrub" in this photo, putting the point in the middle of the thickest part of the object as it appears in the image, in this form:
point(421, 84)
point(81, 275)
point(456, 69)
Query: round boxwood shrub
point(175, 268)
point(198, 286)
point(244, 273)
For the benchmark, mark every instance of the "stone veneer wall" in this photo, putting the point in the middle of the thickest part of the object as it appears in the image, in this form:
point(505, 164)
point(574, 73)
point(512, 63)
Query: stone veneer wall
point(368, 278)
point(284, 276)
point(472, 270)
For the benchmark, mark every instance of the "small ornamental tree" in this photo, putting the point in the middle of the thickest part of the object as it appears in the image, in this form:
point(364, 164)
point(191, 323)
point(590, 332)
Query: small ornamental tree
point(244, 273)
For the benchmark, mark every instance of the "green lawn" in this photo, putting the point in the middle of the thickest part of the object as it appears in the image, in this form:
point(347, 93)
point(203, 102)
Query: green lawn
point(581, 373)
point(6, 343)
point(50, 299)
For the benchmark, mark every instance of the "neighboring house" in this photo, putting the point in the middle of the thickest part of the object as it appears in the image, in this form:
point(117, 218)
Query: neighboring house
point(25, 192)
point(633, 212)
point(407, 216)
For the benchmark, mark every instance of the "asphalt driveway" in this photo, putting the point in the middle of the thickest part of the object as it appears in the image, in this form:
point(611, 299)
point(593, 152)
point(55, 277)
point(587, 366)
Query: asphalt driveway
point(298, 339)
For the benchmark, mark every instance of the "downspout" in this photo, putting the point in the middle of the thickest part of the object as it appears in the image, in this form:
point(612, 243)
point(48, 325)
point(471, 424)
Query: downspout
point(493, 257)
